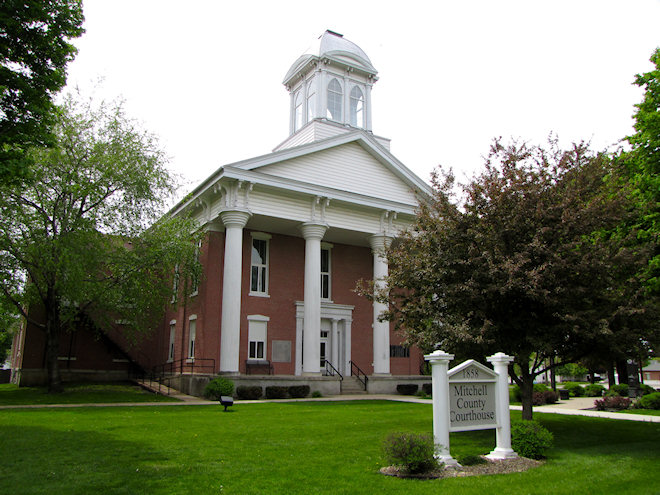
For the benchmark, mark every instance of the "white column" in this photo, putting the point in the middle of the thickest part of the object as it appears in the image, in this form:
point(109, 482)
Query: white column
point(313, 233)
point(381, 329)
point(230, 336)
point(334, 343)
point(299, 334)
point(503, 450)
point(440, 390)
point(347, 349)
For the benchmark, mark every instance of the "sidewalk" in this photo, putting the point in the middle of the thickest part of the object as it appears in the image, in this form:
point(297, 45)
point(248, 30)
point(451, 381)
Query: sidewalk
point(579, 406)
point(584, 406)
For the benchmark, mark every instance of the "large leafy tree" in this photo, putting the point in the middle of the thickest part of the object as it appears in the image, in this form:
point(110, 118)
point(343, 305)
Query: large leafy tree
point(643, 167)
point(520, 261)
point(34, 51)
point(84, 240)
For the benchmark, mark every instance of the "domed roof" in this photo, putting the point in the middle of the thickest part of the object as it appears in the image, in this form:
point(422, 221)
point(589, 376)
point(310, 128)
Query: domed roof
point(333, 46)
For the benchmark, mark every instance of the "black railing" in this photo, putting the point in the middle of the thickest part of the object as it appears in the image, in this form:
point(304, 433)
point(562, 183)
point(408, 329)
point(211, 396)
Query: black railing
point(359, 374)
point(330, 370)
point(163, 374)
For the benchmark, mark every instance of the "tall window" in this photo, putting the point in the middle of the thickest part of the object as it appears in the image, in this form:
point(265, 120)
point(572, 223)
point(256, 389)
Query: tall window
point(257, 329)
point(259, 264)
point(298, 113)
point(325, 273)
point(357, 107)
point(334, 100)
point(192, 327)
point(311, 101)
point(170, 352)
point(194, 283)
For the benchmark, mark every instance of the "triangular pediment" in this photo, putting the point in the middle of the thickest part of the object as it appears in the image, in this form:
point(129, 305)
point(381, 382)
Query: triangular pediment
point(350, 163)
point(471, 371)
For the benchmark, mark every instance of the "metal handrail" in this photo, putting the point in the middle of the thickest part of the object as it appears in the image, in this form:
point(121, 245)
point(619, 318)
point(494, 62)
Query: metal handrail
point(357, 375)
point(159, 374)
point(332, 371)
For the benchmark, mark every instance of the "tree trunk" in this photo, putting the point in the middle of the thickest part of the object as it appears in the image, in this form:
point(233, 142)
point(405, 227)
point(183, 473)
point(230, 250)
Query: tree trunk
point(622, 370)
point(553, 378)
point(53, 345)
point(610, 375)
point(526, 391)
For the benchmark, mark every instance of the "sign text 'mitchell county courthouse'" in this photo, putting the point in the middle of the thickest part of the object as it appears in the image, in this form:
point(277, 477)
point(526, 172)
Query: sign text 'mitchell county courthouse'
point(472, 403)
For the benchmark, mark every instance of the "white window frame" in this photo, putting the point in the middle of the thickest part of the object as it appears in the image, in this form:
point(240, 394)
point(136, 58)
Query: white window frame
point(326, 246)
point(356, 108)
point(311, 100)
point(336, 95)
point(170, 349)
point(257, 324)
point(298, 110)
point(192, 337)
point(263, 275)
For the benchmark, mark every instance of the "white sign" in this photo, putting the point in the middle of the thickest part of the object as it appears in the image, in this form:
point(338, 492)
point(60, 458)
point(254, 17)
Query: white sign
point(472, 403)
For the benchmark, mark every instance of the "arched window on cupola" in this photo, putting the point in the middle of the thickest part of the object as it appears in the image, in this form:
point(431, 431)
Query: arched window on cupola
point(298, 111)
point(311, 101)
point(334, 100)
point(357, 107)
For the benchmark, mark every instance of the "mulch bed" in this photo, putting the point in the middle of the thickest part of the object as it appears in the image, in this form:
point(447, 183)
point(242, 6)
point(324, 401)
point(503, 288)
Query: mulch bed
point(504, 466)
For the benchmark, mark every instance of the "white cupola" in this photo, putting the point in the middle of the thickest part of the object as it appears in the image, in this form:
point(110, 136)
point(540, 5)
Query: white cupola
point(331, 82)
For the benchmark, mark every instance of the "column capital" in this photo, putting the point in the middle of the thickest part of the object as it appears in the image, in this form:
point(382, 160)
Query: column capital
point(313, 230)
point(380, 242)
point(500, 358)
point(235, 217)
point(438, 357)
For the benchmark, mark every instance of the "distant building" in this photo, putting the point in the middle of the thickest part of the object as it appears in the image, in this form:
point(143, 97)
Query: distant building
point(288, 235)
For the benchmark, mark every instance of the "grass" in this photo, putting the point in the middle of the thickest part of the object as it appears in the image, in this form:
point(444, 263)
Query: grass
point(284, 448)
point(86, 393)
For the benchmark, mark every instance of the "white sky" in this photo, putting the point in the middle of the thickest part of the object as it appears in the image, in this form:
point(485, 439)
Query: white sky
point(206, 76)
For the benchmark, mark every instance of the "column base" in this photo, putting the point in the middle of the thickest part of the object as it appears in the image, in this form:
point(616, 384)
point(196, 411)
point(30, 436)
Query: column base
point(499, 454)
point(448, 461)
point(381, 374)
point(229, 373)
point(311, 373)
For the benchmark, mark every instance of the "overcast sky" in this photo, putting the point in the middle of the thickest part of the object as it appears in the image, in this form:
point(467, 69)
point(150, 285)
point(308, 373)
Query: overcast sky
point(206, 76)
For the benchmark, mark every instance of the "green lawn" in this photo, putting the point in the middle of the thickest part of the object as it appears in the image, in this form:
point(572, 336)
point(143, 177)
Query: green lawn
point(84, 393)
point(284, 448)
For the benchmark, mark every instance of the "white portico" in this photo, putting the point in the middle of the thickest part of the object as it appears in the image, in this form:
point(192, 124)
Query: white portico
point(332, 182)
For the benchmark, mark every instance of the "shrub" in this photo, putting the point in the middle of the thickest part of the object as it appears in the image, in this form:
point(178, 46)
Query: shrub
point(646, 389)
point(299, 391)
point(594, 390)
point(530, 439)
point(515, 394)
point(427, 388)
point(316, 394)
point(650, 401)
point(275, 392)
point(471, 460)
point(412, 452)
point(574, 389)
point(249, 392)
point(550, 396)
point(538, 399)
point(407, 388)
point(620, 389)
point(612, 402)
point(218, 387)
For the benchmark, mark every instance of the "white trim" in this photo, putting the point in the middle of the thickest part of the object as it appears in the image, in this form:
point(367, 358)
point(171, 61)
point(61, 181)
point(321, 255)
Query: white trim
point(260, 236)
point(172, 322)
point(258, 318)
point(192, 317)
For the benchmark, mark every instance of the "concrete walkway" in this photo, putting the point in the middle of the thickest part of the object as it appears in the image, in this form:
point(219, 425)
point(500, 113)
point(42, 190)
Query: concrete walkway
point(580, 406)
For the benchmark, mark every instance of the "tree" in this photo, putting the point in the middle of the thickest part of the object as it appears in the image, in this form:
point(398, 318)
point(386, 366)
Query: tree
point(34, 52)
point(84, 240)
point(643, 167)
point(521, 262)
point(8, 323)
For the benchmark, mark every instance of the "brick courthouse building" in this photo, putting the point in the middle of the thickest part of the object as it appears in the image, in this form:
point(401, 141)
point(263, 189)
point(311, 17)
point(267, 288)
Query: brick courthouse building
point(288, 235)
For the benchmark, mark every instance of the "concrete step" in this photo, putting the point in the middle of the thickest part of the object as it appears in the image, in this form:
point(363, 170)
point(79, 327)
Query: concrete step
point(352, 386)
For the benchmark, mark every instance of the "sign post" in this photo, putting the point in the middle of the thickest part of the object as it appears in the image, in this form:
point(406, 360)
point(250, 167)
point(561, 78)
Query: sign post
point(503, 450)
point(440, 391)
